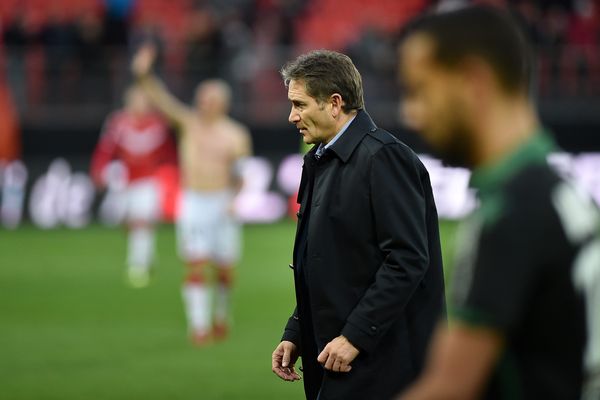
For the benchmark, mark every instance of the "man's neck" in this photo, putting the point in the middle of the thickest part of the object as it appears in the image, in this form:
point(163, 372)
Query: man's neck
point(504, 130)
point(210, 119)
point(339, 124)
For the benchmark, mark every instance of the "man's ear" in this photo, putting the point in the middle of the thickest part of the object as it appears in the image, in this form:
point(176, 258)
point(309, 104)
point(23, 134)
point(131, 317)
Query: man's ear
point(479, 78)
point(336, 104)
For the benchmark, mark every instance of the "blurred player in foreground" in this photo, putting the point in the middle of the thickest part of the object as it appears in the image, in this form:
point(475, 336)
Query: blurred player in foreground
point(139, 138)
point(212, 147)
point(517, 323)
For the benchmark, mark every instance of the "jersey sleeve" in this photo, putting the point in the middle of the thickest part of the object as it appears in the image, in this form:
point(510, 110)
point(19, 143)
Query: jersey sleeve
point(494, 287)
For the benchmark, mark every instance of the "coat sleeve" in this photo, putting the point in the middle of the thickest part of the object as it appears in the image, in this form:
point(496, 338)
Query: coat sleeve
point(398, 206)
point(292, 329)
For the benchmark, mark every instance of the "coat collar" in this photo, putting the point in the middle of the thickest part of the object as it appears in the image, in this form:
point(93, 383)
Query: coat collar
point(346, 144)
point(357, 130)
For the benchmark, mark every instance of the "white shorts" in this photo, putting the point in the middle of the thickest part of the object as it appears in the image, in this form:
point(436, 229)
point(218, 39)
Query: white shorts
point(206, 230)
point(143, 200)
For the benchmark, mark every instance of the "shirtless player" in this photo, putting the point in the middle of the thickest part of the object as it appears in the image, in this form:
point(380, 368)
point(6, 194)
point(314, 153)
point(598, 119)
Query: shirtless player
point(211, 149)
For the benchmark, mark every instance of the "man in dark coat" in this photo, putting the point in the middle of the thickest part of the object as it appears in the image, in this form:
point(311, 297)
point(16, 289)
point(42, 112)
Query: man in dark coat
point(367, 261)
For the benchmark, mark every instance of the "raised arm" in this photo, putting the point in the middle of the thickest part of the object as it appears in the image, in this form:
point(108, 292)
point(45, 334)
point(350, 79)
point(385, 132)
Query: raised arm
point(141, 66)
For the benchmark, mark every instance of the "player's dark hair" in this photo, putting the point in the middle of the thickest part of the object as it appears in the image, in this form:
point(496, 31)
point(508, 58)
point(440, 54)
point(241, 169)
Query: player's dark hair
point(481, 31)
point(324, 73)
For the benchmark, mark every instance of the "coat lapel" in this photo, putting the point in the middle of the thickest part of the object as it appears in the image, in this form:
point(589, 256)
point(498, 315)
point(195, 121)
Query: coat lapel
point(302, 199)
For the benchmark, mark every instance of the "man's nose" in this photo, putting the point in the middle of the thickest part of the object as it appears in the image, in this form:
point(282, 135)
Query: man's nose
point(294, 117)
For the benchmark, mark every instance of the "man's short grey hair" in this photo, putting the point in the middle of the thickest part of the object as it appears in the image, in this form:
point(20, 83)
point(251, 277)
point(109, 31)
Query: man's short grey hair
point(324, 73)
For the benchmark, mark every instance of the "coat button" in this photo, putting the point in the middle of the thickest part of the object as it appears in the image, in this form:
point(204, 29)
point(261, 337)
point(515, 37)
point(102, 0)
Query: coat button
point(296, 318)
point(374, 328)
point(291, 266)
point(299, 215)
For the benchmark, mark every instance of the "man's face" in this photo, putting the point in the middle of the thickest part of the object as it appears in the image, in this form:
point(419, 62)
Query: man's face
point(313, 119)
point(210, 100)
point(434, 102)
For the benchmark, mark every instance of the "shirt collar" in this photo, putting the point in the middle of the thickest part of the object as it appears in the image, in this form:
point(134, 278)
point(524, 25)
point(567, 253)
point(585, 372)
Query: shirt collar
point(534, 151)
point(322, 147)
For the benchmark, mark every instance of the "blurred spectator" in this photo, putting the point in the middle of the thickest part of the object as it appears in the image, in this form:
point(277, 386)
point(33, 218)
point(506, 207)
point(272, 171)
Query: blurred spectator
point(245, 41)
point(581, 65)
point(59, 38)
point(528, 16)
point(117, 20)
point(89, 38)
point(272, 36)
point(18, 36)
point(374, 53)
point(553, 39)
point(237, 47)
point(203, 47)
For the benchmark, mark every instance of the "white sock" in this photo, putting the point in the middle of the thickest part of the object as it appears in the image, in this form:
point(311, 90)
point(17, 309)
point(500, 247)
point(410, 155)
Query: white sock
point(222, 296)
point(196, 298)
point(140, 252)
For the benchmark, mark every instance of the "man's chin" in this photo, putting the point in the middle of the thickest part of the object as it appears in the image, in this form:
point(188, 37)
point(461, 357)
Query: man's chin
point(308, 140)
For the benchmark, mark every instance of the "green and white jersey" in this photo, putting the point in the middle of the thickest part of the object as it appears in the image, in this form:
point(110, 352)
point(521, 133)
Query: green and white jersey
point(526, 258)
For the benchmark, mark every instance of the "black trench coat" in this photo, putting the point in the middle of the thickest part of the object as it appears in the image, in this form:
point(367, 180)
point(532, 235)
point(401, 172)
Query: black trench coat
point(367, 264)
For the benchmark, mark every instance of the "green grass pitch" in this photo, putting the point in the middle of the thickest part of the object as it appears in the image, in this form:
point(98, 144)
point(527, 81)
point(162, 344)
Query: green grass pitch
point(70, 328)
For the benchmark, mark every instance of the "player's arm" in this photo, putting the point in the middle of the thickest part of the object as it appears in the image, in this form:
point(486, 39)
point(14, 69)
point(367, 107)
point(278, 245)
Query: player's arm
point(162, 99)
point(460, 361)
point(243, 150)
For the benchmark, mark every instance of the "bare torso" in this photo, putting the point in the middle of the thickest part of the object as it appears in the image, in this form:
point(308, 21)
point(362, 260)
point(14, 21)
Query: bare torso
point(208, 152)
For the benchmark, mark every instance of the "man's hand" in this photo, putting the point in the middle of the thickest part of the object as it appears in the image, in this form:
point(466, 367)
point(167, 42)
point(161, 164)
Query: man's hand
point(283, 360)
point(338, 354)
point(143, 60)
